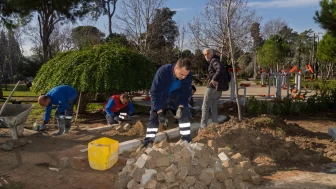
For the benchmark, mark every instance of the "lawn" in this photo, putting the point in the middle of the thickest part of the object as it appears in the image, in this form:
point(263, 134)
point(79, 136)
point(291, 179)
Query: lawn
point(21, 90)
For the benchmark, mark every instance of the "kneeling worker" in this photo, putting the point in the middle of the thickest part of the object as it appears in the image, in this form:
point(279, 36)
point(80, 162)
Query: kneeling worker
point(64, 98)
point(171, 89)
point(118, 108)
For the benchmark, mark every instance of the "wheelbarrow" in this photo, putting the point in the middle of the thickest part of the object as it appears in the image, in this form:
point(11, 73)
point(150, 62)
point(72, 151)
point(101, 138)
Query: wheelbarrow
point(14, 117)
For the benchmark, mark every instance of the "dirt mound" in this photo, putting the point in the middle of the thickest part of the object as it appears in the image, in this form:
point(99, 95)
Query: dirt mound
point(270, 142)
point(137, 129)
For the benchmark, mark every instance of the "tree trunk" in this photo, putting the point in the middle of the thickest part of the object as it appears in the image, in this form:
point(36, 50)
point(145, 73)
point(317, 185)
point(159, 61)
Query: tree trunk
point(278, 67)
point(232, 61)
point(255, 71)
point(46, 21)
point(85, 99)
point(109, 18)
point(330, 68)
point(45, 45)
point(316, 70)
point(10, 62)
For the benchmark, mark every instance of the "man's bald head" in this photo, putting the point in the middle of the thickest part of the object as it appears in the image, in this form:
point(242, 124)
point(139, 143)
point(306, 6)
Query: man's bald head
point(43, 100)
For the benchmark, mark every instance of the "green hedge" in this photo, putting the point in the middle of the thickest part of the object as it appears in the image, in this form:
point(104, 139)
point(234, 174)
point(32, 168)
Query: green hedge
point(103, 68)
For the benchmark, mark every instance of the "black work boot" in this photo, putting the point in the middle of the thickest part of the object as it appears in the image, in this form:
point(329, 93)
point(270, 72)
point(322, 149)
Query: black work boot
point(186, 138)
point(147, 141)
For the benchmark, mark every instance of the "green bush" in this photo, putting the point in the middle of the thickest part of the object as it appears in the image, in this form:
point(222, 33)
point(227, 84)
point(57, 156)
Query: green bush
point(256, 107)
point(287, 106)
point(103, 68)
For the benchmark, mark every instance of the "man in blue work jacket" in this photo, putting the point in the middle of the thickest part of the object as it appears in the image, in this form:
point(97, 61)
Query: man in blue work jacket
point(171, 88)
point(63, 98)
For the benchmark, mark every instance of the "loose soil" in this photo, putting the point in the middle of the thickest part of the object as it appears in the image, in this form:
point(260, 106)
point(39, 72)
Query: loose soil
point(281, 150)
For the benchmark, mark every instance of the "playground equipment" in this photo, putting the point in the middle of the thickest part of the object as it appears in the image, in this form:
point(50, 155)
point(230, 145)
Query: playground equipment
point(233, 86)
point(285, 80)
point(281, 80)
point(270, 75)
point(298, 77)
point(14, 116)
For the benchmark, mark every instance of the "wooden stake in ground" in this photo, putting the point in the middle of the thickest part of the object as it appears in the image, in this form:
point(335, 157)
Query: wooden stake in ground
point(80, 96)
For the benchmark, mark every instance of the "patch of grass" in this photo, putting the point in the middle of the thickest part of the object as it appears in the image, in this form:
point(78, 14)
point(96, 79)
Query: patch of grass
point(20, 87)
point(20, 93)
point(95, 106)
point(264, 121)
point(280, 131)
point(21, 90)
point(36, 114)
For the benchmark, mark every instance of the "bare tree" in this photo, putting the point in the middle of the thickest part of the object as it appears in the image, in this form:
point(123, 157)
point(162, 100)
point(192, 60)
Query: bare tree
point(32, 35)
point(20, 37)
point(135, 18)
point(273, 26)
point(110, 12)
point(210, 28)
point(104, 7)
point(60, 39)
point(180, 39)
point(225, 26)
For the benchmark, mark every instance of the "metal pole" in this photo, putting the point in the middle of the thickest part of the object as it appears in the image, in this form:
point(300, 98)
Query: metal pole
point(269, 86)
point(313, 57)
point(288, 84)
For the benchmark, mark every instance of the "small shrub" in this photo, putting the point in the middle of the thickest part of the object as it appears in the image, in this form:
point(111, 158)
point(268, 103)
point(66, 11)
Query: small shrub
point(252, 106)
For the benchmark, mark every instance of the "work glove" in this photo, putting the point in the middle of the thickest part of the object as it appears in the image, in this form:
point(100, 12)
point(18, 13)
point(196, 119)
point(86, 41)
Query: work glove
point(179, 113)
point(116, 118)
point(42, 127)
point(162, 119)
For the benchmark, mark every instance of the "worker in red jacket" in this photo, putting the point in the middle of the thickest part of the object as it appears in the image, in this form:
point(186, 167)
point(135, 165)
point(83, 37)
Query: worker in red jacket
point(118, 108)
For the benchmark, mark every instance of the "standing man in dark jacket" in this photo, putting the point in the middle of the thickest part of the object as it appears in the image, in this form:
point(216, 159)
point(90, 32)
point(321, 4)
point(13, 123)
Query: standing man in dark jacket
point(171, 88)
point(63, 98)
point(217, 82)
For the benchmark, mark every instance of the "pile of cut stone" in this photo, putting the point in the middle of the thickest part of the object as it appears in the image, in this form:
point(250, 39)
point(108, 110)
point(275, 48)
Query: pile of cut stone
point(187, 165)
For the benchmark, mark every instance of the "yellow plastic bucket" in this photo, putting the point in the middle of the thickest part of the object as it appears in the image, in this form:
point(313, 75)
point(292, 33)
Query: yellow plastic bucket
point(103, 153)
